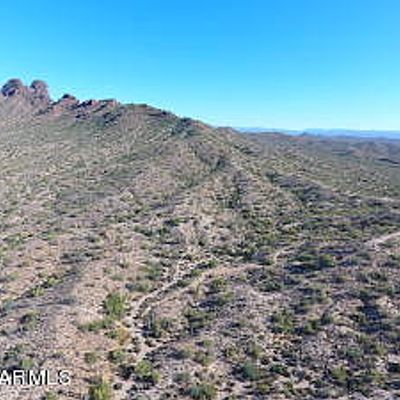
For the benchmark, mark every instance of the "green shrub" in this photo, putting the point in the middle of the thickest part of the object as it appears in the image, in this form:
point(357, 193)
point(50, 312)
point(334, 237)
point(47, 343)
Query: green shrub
point(157, 327)
point(340, 375)
point(311, 327)
point(279, 369)
point(202, 391)
point(197, 319)
point(283, 322)
point(91, 358)
point(203, 357)
point(217, 285)
point(145, 372)
point(52, 281)
point(30, 320)
point(27, 363)
point(117, 356)
point(183, 377)
point(36, 292)
point(96, 326)
point(325, 261)
point(50, 396)
point(326, 318)
point(100, 390)
point(254, 350)
point(115, 306)
point(250, 371)
point(153, 272)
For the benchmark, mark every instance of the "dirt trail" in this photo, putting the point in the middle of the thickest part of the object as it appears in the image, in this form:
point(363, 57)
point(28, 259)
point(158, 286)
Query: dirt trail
point(222, 271)
point(375, 242)
point(163, 294)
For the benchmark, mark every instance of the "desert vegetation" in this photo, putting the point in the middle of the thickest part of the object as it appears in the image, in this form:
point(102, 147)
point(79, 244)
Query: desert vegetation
point(157, 257)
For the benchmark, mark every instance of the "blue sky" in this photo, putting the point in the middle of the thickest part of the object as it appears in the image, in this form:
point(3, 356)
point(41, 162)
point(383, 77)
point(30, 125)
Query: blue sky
point(273, 63)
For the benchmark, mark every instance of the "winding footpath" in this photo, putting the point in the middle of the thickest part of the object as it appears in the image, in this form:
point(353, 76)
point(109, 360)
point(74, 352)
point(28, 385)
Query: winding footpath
point(376, 242)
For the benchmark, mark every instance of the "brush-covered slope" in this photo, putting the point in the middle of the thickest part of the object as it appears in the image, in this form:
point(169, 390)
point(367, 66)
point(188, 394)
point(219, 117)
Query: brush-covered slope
point(156, 257)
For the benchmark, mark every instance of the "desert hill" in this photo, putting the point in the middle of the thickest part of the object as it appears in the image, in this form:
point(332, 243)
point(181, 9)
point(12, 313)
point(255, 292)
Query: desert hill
point(156, 257)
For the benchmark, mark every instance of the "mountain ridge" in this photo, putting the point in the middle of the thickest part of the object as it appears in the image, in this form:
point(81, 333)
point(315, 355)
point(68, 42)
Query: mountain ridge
point(157, 257)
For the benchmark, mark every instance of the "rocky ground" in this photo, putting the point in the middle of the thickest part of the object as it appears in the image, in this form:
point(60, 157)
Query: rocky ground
point(156, 257)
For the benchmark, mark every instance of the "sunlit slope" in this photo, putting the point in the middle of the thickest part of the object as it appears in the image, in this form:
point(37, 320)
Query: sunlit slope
point(157, 257)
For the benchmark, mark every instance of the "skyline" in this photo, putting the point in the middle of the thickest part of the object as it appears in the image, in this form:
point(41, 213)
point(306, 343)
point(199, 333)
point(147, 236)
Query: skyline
point(293, 65)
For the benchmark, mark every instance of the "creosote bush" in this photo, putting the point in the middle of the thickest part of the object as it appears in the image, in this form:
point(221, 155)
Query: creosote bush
point(115, 306)
point(202, 391)
point(100, 390)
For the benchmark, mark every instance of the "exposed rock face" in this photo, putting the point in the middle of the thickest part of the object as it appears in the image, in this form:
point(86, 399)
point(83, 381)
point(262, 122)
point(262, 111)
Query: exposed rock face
point(39, 89)
point(12, 87)
point(65, 104)
point(68, 101)
point(36, 94)
point(19, 100)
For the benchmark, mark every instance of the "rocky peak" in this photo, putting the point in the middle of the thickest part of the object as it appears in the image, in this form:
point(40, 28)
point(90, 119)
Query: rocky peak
point(67, 100)
point(40, 89)
point(16, 98)
point(12, 87)
point(36, 94)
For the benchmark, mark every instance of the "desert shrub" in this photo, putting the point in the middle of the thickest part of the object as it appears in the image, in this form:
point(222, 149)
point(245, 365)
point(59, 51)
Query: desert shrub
point(52, 281)
point(9, 278)
point(145, 372)
point(141, 286)
point(36, 291)
point(27, 363)
point(157, 327)
point(117, 356)
point(100, 390)
point(283, 322)
point(217, 285)
point(340, 375)
point(183, 354)
point(115, 306)
point(197, 319)
point(50, 396)
point(254, 350)
point(279, 369)
point(202, 391)
point(204, 358)
point(29, 321)
point(96, 326)
point(311, 261)
point(311, 327)
point(121, 334)
point(91, 358)
point(183, 378)
point(326, 318)
point(153, 272)
point(325, 261)
point(250, 371)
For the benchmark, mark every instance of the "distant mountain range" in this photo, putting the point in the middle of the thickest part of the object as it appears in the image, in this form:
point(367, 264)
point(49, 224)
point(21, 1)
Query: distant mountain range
point(330, 132)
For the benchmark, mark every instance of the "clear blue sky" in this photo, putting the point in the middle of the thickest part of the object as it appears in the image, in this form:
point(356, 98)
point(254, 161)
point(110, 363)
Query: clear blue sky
point(271, 63)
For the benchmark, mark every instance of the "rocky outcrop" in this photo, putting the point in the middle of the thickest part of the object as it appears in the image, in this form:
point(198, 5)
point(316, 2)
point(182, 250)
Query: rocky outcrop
point(39, 91)
point(18, 100)
point(13, 87)
point(35, 96)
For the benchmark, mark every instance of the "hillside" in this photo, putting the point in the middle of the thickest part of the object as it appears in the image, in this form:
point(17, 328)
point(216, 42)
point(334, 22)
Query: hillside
point(156, 257)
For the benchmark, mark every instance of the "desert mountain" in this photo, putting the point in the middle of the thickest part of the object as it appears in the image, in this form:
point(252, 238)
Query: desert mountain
point(156, 257)
point(18, 100)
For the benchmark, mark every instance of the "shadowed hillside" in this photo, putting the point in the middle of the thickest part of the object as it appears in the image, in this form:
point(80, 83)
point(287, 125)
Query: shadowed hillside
point(156, 257)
